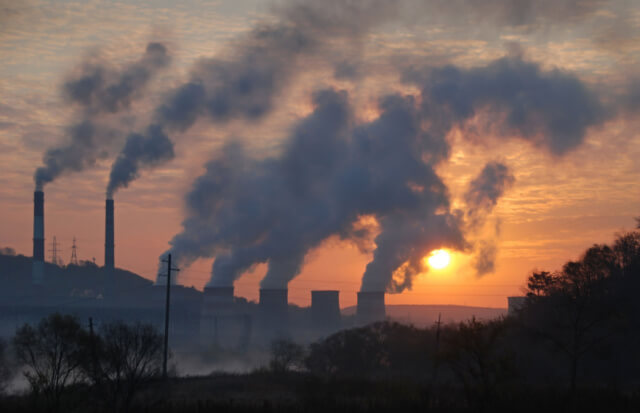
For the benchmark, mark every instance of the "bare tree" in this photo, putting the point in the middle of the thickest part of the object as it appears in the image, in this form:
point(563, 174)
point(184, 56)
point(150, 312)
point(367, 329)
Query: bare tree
point(121, 359)
point(51, 353)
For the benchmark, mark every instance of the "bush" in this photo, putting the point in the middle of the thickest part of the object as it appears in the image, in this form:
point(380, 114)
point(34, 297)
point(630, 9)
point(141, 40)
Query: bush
point(286, 355)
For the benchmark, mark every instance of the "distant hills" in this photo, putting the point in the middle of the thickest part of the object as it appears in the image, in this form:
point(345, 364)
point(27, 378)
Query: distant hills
point(427, 315)
point(81, 285)
point(77, 285)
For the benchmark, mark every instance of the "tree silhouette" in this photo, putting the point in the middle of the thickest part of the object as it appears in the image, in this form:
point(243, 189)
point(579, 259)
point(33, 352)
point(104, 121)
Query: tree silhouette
point(51, 353)
point(5, 366)
point(476, 354)
point(285, 355)
point(383, 348)
point(121, 359)
point(573, 309)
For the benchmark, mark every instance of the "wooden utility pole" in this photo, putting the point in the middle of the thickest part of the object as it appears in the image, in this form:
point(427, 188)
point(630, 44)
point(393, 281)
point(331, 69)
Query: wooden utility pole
point(166, 316)
point(437, 350)
point(94, 355)
point(433, 391)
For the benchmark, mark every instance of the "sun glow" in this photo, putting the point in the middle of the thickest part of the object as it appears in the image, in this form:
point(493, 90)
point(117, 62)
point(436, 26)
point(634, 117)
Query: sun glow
point(438, 259)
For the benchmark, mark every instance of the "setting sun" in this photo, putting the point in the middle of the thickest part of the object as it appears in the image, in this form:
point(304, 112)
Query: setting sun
point(439, 259)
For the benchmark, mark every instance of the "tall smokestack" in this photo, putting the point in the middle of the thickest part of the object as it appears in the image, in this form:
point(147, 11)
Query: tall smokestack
point(325, 310)
point(371, 307)
point(274, 312)
point(109, 246)
point(37, 269)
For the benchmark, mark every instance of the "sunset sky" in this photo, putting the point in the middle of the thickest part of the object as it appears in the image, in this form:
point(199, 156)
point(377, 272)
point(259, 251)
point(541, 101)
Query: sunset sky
point(563, 192)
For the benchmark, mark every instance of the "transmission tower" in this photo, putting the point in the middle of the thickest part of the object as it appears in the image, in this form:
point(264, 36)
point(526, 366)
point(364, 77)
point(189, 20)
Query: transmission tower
point(74, 256)
point(54, 251)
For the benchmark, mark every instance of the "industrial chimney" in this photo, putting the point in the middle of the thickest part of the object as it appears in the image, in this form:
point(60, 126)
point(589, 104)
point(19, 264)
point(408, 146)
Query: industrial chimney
point(109, 246)
point(371, 307)
point(37, 269)
point(325, 310)
point(274, 312)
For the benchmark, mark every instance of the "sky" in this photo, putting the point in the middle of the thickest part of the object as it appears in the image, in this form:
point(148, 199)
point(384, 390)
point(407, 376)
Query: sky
point(505, 131)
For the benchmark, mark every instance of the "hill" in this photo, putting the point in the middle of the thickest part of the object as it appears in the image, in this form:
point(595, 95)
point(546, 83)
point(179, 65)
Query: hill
point(426, 315)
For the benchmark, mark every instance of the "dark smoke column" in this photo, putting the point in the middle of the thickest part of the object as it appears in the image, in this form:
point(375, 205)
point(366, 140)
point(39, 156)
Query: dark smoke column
point(37, 269)
point(109, 245)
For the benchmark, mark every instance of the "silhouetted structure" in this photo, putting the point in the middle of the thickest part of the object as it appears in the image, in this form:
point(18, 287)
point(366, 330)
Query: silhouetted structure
point(371, 307)
point(37, 272)
point(325, 310)
point(109, 241)
point(222, 324)
point(274, 312)
point(74, 253)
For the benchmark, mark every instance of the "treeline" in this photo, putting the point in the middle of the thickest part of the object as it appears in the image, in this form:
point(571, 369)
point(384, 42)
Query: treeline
point(573, 345)
point(72, 368)
point(577, 334)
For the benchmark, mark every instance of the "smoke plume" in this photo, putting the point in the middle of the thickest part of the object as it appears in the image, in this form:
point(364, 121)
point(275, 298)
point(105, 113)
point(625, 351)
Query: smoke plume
point(551, 109)
point(484, 260)
point(333, 171)
point(485, 190)
point(148, 150)
point(244, 82)
point(98, 90)
point(245, 211)
point(481, 197)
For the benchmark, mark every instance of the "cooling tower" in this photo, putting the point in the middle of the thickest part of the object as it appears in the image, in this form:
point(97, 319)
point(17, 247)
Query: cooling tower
point(37, 269)
point(217, 300)
point(370, 307)
point(221, 324)
point(274, 312)
point(109, 243)
point(325, 310)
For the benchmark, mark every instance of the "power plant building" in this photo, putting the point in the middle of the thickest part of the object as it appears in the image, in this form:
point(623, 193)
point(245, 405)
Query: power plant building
point(222, 323)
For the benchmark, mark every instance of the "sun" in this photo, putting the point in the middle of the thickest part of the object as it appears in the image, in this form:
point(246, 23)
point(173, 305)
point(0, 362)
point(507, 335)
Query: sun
point(439, 259)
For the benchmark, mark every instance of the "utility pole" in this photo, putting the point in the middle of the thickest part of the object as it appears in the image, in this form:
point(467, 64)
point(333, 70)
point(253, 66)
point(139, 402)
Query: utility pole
point(437, 360)
point(438, 331)
point(166, 316)
point(94, 355)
